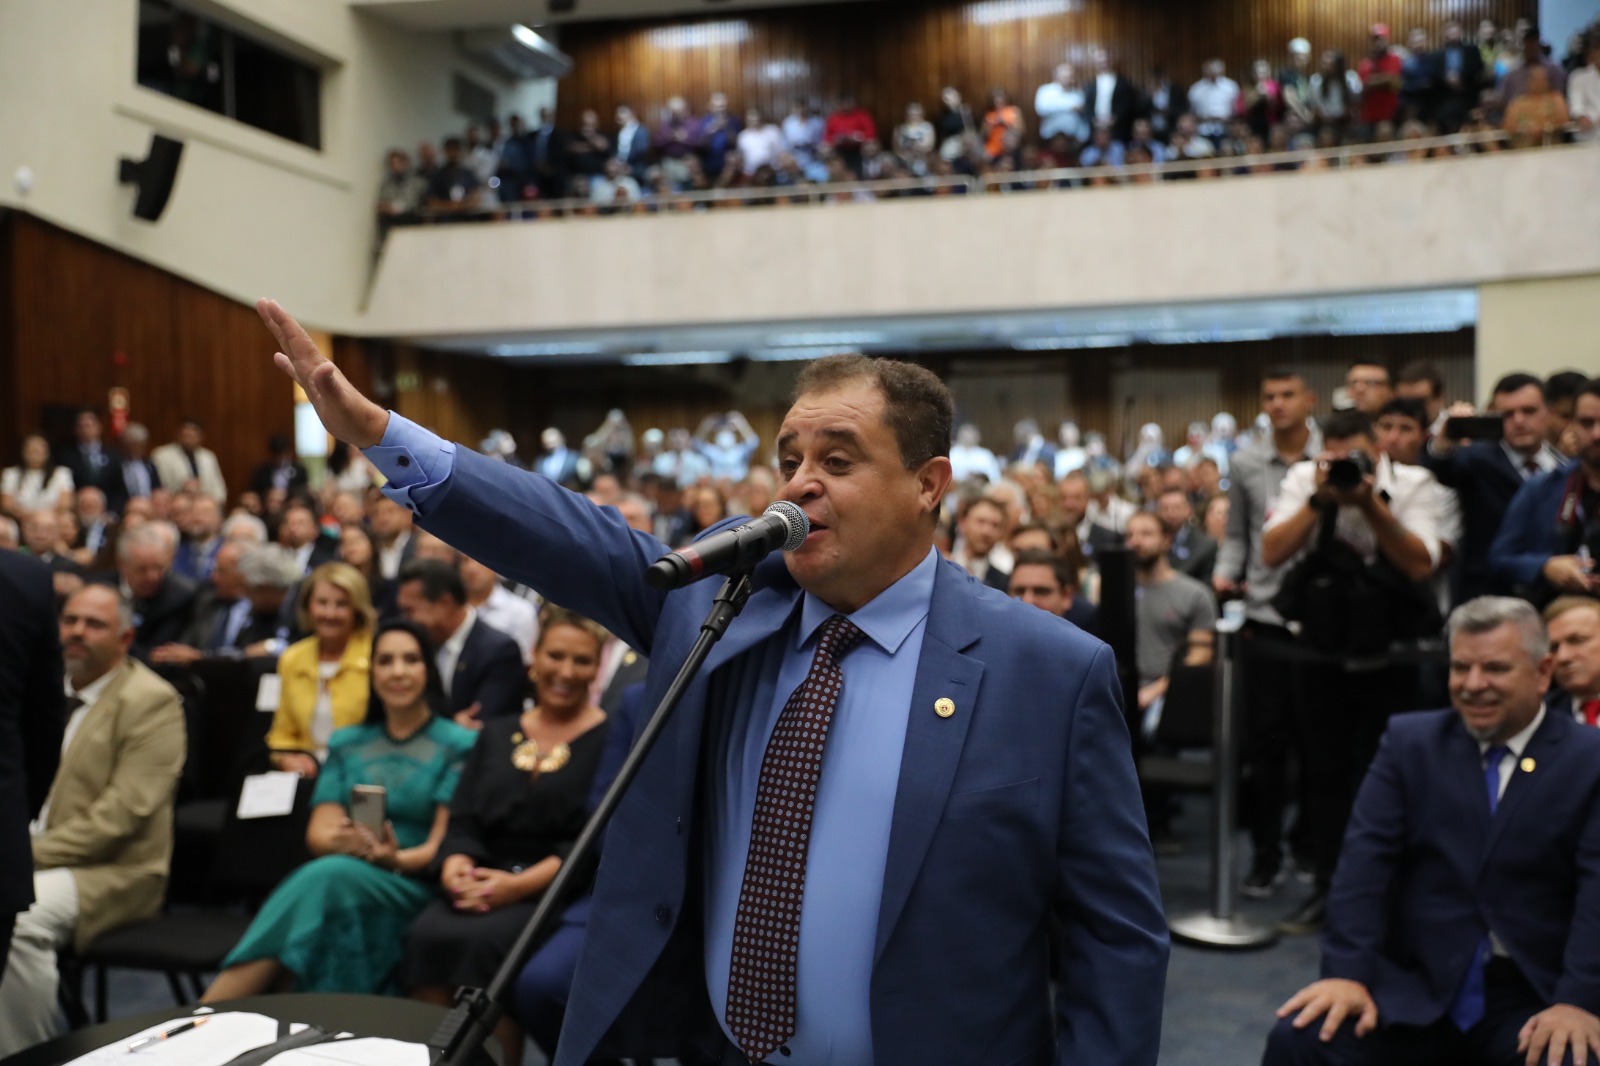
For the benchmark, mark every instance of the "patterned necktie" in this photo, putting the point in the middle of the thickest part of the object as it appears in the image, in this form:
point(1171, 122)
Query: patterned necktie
point(1591, 712)
point(1468, 1008)
point(766, 932)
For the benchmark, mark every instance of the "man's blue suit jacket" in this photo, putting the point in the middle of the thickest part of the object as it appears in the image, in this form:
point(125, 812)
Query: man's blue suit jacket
point(1021, 806)
point(1426, 873)
point(1527, 536)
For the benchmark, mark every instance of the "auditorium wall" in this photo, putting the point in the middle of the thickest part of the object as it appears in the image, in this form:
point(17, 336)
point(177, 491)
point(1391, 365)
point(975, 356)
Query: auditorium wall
point(251, 214)
point(888, 53)
point(78, 319)
point(1542, 326)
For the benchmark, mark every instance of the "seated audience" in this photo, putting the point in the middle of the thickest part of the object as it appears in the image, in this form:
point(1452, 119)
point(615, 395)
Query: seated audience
point(323, 679)
point(221, 612)
point(479, 666)
point(500, 608)
point(356, 548)
point(336, 923)
point(1574, 625)
point(979, 528)
point(37, 483)
point(163, 602)
point(270, 578)
point(1193, 552)
point(300, 531)
point(104, 838)
point(521, 804)
point(202, 537)
point(1459, 920)
point(1048, 581)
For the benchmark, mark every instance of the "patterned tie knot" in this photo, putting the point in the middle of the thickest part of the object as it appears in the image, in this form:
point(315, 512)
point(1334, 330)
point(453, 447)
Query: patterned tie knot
point(839, 635)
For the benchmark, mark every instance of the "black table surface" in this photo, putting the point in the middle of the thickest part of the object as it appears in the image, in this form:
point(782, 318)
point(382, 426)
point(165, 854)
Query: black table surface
point(399, 1019)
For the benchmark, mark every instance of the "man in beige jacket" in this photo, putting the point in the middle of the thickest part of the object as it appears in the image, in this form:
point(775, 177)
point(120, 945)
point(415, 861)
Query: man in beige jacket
point(103, 842)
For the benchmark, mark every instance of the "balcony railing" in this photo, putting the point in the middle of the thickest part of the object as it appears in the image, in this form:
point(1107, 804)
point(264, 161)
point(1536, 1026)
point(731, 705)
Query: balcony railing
point(1211, 168)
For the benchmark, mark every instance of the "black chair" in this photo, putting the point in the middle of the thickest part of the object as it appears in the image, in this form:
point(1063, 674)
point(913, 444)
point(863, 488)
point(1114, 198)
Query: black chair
point(1185, 725)
point(185, 943)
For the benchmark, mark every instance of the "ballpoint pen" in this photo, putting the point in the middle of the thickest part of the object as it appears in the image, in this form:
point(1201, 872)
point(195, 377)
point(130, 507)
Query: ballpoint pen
point(157, 1037)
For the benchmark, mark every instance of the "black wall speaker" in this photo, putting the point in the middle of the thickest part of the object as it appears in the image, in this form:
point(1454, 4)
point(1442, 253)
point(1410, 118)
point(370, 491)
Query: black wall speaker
point(153, 176)
point(1116, 622)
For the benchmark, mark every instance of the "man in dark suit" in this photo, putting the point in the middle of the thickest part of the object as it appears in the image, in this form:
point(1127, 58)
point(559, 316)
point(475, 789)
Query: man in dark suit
point(1546, 546)
point(1457, 69)
point(480, 666)
point(978, 779)
point(136, 474)
point(1109, 97)
point(547, 154)
point(979, 526)
point(30, 724)
point(163, 602)
point(1487, 474)
point(1460, 924)
point(282, 471)
point(556, 461)
point(1574, 625)
point(1193, 552)
point(300, 532)
point(91, 462)
point(222, 609)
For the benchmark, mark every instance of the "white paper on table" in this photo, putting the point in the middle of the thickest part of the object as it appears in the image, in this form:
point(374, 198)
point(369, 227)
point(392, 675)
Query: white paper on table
point(268, 795)
point(224, 1037)
point(361, 1051)
point(268, 692)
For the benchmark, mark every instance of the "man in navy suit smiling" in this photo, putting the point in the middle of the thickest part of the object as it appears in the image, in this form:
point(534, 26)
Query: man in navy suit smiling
point(1462, 918)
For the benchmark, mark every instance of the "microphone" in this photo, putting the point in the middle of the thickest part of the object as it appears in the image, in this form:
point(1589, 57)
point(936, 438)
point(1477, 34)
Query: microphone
point(783, 527)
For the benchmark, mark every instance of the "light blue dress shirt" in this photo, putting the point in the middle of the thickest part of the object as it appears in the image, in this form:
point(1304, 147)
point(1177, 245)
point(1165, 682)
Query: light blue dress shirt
point(855, 803)
point(855, 797)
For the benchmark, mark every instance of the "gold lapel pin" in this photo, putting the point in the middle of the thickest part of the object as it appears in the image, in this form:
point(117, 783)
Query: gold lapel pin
point(944, 707)
point(630, 658)
point(1528, 766)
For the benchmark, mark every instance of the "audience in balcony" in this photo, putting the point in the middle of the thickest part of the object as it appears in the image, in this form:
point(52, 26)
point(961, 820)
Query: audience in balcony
point(1583, 94)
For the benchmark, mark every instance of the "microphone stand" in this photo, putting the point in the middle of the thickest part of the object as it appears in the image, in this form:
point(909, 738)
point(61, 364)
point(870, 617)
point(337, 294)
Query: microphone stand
point(472, 1020)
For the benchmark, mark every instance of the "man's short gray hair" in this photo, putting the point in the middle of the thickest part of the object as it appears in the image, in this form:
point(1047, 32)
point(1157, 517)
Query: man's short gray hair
point(268, 566)
point(257, 529)
point(1491, 612)
point(163, 535)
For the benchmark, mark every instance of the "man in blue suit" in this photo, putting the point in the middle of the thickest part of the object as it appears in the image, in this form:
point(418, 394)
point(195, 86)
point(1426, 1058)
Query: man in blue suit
point(977, 783)
point(1461, 923)
point(1548, 542)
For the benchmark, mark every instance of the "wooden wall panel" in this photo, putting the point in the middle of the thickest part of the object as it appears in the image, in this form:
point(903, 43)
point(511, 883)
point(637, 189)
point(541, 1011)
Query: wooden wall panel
point(83, 319)
point(890, 53)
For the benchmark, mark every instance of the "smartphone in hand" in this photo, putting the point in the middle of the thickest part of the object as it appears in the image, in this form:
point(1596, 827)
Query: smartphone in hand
point(369, 806)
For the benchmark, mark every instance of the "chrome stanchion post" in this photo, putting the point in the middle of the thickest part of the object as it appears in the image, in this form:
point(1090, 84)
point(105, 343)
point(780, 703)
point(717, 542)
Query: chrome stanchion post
point(1220, 927)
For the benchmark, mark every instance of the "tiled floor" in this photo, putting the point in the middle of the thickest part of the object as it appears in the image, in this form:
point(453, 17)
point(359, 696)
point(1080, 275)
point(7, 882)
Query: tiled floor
point(1219, 1004)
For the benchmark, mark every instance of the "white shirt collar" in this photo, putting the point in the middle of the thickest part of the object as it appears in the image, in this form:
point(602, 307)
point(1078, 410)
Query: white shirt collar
point(1520, 740)
point(458, 639)
point(90, 694)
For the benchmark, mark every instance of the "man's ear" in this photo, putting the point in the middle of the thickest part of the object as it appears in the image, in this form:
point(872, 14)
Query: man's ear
point(933, 481)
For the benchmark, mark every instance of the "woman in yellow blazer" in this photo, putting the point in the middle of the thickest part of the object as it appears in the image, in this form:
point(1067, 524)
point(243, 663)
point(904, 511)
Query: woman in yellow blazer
point(324, 678)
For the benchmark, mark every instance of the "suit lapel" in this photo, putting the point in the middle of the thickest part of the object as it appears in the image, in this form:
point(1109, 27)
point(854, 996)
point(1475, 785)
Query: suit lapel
point(933, 744)
point(1540, 753)
point(86, 739)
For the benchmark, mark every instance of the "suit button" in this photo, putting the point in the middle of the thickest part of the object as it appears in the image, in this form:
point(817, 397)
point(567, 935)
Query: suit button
point(663, 914)
point(680, 827)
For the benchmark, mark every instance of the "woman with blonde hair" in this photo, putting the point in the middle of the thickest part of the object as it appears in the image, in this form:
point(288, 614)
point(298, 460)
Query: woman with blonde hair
point(324, 678)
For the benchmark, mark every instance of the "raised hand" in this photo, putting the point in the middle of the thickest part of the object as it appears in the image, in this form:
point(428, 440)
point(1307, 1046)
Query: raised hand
point(345, 413)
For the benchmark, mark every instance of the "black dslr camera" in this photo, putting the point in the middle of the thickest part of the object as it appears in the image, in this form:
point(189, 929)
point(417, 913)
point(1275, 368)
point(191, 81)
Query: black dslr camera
point(1346, 473)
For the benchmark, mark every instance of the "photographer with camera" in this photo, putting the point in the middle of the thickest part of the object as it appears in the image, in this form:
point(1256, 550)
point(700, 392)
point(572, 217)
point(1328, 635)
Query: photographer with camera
point(1359, 535)
point(1486, 462)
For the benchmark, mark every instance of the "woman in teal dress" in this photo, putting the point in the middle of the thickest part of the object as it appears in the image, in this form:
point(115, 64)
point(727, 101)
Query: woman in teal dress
point(335, 924)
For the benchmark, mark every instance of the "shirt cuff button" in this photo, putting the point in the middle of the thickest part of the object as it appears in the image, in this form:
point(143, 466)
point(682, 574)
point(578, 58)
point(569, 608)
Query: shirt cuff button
point(404, 460)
